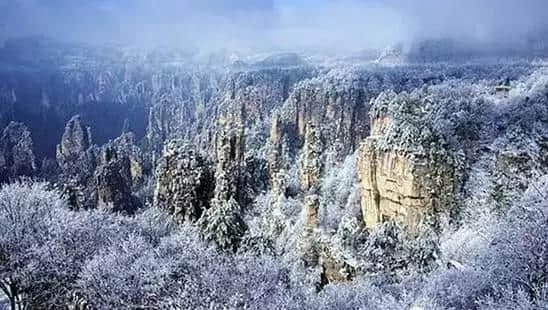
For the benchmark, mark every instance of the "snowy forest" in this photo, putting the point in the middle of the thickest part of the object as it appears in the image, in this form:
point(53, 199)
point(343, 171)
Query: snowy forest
point(413, 176)
point(276, 184)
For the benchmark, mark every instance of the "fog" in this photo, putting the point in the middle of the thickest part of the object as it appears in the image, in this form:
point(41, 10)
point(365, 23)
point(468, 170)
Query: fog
point(274, 24)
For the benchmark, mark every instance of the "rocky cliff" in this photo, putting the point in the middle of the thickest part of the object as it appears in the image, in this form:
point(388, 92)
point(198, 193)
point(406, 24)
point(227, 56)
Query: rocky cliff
point(99, 177)
point(74, 150)
point(406, 174)
point(310, 169)
point(393, 185)
point(16, 152)
point(125, 146)
point(337, 104)
point(228, 135)
point(184, 182)
point(113, 180)
point(77, 160)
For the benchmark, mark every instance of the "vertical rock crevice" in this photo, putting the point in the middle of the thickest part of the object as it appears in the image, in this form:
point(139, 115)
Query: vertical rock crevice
point(404, 185)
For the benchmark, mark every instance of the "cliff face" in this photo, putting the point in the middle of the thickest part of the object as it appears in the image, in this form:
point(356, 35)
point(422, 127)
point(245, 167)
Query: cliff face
point(405, 183)
point(230, 160)
point(16, 152)
point(77, 160)
point(310, 163)
point(337, 105)
point(74, 149)
point(277, 128)
point(393, 185)
point(188, 105)
point(275, 158)
point(180, 106)
point(338, 102)
point(310, 173)
point(159, 101)
point(113, 180)
point(47, 99)
point(99, 177)
point(139, 165)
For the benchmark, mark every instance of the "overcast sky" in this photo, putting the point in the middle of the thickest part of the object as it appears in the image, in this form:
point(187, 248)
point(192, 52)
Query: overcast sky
point(284, 24)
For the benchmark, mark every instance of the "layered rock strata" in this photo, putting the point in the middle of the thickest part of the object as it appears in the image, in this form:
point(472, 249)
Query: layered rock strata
point(399, 185)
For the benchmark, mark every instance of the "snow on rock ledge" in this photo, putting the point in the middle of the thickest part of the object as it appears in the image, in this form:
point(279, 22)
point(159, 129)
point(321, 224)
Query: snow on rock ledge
point(396, 185)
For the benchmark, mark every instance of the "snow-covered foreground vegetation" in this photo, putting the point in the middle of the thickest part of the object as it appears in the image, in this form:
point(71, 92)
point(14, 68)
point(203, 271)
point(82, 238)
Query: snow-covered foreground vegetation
point(52, 256)
point(251, 185)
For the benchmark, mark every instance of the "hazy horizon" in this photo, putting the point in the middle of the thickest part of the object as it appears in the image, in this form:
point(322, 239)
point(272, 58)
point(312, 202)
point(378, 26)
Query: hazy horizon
point(343, 25)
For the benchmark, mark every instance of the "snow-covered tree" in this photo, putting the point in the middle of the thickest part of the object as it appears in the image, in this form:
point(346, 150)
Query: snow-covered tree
point(222, 224)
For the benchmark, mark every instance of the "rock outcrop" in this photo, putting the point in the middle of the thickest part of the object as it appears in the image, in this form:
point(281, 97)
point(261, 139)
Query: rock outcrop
point(230, 160)
point(119, 170)
point(16, 152)
point(400, 185)
point(188, 105)
point(74, 153)
point(334, 270)
point(310, 164)
point(125, 147)
point(307, 246)
point(77, 160)
point(276, 166)
point(392, 185)
point(336, 104)
point(113, 181)
point(98, 177)
point(182, 106)
point(184, 182)
point(223, 223)
point(310, 173)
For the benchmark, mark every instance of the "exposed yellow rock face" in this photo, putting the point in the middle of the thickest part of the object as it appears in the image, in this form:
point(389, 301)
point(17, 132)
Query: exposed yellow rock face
point(394, 184)
point(310, 165)
point(275, 130)
point(380, 125)
point(275, 157)
point(301, 122)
